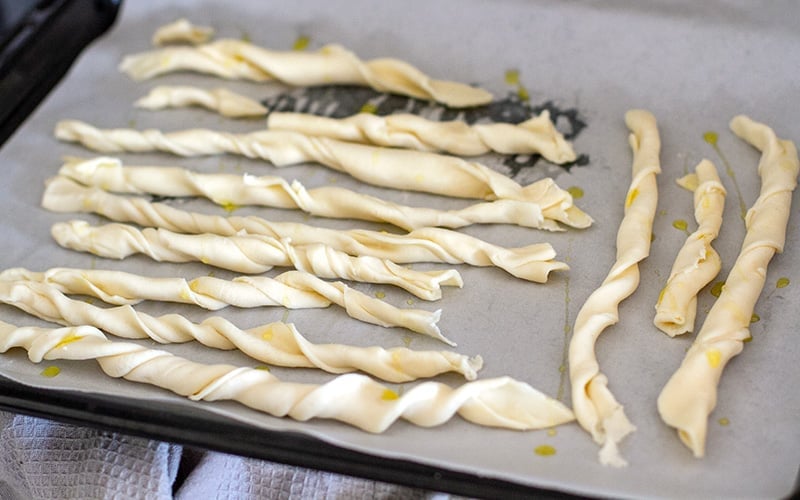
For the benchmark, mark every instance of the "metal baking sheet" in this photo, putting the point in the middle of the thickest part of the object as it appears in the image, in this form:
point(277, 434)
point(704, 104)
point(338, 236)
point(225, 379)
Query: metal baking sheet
point(694, 65)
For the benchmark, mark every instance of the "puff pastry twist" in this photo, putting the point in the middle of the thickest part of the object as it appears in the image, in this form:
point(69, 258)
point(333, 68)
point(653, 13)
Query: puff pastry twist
point(352, 398)
point(697, 263)
point(595, 407)
point(330, 65)
point(247, 253)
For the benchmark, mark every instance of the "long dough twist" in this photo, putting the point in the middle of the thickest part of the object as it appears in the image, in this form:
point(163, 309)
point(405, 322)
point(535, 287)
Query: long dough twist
point(697, 263)
point(393, 168)
point(334, 202)
point(221, 100)
point(536, 135)
point(533, 262)
point(595, 407)
point(292, 289)
point(353, 398)
point(691, 393)
point(331, 65)
point(275, 343)
point(249, 254)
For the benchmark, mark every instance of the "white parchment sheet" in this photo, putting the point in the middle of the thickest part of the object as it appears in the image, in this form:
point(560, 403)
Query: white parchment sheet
point(693, 64)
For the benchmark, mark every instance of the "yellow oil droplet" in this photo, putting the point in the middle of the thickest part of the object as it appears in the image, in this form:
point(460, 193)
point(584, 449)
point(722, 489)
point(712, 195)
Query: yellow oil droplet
point(410, 302)
point(652, 237)
point(523, 94)
point(575, 192)
point(51, 371)
point(389, 395)
point(711, 137)
point(724, 422)
point(407, 340)
point(512, 77)
point(544, 450)
point(680, 224)
point(716, 288)
point(632, 195)
point(551, 432)
point(68, 340)
point(562, 368)
point(755, 318)
point(714, 357)
point(229, 206)
point(301, 43)
point(264, 368)
point(380, 295)
point(782, 282)
point(369, 108)
point(748, 339)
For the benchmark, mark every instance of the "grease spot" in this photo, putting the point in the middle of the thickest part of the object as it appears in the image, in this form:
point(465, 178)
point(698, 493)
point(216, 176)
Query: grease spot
point(51, 371)
point(544, 450)
point(575, 192)
point(301, 43)
point(716, 288)
point(782, 282)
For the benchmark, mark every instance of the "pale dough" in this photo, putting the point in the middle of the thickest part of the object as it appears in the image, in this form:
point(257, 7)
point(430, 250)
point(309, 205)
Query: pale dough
point(387, 167)
point(697, 263)
point(595, 407)
point(292, 289)
point(221, 100)
point(182, 31)
point(532, 262)
point(352, 398)
point(278, 344)
point(536, 135)
point(249, 254)
point(331, 65)
point(327, 201)
point(690, 395)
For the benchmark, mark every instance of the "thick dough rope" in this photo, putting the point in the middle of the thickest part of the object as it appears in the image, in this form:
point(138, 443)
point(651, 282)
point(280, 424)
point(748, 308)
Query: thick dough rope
point(182, 31)
point(221, 100)
point(697, 263)
point(536, 135)
point(275, 343)
point(353, 398)
point(392, 168)
point(333, 202)
point(690, 395)
point(533, 262)
point(249, 254)
point(331, 65)
point(292, 289)
point(595, 407)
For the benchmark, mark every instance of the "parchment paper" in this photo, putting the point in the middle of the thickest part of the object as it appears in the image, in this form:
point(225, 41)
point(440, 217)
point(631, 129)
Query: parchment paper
point(693, 64)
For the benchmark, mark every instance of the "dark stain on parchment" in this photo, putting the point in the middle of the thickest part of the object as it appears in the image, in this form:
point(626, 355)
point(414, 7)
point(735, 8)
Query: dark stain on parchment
point(340, 101)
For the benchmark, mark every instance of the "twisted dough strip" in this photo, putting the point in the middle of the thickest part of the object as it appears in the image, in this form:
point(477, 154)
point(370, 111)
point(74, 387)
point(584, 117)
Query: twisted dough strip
point(697, 263)
point(275, 343)
point(236, 190)
point(292, 289)
point(536, 135)
point(393, 168)
point(223, 101)
point(532, 262)
point(691, 393)
point(182, 31)
point(595, 407)
point(353, 398)
point(248, 253)
point(331, 65)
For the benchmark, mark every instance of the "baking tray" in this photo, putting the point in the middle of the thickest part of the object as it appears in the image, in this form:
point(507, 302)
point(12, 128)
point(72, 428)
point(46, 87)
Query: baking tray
point(694, 66)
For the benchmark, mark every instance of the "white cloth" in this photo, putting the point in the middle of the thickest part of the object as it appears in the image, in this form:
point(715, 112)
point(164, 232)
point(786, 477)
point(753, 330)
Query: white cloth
point(42, 459)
